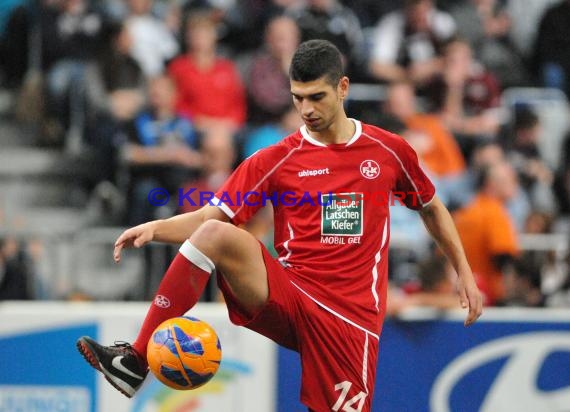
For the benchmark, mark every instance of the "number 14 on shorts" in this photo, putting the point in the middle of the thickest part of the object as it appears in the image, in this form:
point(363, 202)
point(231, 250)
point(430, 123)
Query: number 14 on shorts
point(348, 406)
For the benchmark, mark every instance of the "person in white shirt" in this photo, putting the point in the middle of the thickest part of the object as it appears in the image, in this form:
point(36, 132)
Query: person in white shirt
point(154, 43)
point(405, 44)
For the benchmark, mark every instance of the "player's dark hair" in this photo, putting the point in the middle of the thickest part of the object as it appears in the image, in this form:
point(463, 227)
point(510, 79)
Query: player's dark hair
point(315, 59)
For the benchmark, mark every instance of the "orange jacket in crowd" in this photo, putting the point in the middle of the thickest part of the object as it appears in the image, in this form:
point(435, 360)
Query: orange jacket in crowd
point(486, 230)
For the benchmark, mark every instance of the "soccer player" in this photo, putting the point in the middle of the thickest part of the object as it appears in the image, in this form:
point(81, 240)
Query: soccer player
point(325, 295)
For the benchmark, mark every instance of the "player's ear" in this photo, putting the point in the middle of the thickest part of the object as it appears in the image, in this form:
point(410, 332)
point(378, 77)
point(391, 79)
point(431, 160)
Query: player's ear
point(343, 87)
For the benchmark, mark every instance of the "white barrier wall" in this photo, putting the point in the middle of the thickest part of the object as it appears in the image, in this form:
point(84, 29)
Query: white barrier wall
point(41, 369)
point(511, 360)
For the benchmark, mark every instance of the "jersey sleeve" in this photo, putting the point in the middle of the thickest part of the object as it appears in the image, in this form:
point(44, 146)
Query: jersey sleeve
point(247, 190)
point(412, 186)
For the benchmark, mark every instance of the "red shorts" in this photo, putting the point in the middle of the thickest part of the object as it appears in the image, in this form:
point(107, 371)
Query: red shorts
point(338, 359)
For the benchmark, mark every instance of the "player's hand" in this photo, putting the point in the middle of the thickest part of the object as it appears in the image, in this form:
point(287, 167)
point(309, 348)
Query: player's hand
point(137, 237)
point(470, 297)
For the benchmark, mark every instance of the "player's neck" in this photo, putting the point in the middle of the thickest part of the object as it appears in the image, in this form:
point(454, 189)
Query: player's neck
point(341, 131)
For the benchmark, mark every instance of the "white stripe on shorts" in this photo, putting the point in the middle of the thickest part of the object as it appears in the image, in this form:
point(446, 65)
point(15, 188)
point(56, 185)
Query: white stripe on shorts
point(365, 363)
point(338, 315)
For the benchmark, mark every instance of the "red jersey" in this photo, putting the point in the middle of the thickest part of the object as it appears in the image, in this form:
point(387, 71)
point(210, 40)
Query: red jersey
point(215, 92)
point(331, 209)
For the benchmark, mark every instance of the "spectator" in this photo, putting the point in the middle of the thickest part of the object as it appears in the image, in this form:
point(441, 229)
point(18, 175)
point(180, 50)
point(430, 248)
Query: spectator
point(433, 142)
point(465, 93)
point(16, 272)
point(370, 11)
point(218, 158)
point(272, 133)
point(6, 12)
point(436, 288)
point(438, 150)
point(22, 65)
point(488, 233)
point(210, 90)
point(153, 43)
point(556, 284)
point(485, 155)
point(407, 43)
point(161, 151)
point(267, 81)
point(538, 272)
point(552, 47)
point(245, 22)
point(71, 33)
point(15, 23)
point(535, 176)
point(193, 6)
point(562, 181)
point(71, 37)
point(330, 20)
point(525, 287)
point(486, 25)
point(115, 82)
point(115, 92)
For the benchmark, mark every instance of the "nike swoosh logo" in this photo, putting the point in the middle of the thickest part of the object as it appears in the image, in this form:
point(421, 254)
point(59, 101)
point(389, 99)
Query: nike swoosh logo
point(118, 365)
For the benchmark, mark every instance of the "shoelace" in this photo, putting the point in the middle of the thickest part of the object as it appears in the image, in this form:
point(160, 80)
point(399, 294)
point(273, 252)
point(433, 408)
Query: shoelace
point(122, 344)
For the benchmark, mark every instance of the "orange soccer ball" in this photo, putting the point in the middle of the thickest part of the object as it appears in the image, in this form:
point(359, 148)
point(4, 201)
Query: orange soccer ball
point(184, 353)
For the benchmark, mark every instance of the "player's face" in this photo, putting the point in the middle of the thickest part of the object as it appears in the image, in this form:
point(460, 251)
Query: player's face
point(318, 102)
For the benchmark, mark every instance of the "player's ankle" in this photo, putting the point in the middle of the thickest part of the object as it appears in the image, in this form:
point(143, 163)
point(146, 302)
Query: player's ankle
point(138, 351)
point(142, 360)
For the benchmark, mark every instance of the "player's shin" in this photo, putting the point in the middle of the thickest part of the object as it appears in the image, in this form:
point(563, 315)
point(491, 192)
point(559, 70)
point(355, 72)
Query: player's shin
point(179, 290)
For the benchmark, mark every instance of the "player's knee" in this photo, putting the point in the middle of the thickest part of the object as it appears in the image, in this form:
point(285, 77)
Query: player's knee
point(211, 235)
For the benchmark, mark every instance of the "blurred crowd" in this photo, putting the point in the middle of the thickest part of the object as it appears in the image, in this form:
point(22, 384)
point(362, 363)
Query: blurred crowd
point(174, 94)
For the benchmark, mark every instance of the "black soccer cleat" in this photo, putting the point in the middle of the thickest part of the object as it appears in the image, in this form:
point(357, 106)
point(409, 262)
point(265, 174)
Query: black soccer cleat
point(122, 366)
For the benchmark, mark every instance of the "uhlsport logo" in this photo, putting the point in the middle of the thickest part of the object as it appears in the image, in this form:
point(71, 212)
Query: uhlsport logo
point(528, 357)
point(370, 169)
point(314, 172)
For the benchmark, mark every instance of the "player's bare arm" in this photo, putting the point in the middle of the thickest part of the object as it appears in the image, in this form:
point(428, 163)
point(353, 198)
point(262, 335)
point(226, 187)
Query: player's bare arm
point(173, 230)
point(440, 225)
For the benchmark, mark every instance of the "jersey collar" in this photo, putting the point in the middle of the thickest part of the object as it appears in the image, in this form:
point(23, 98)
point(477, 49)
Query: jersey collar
point(354, 138)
